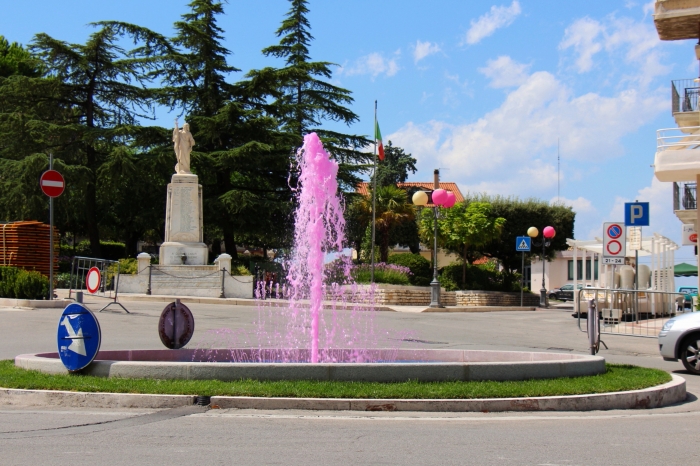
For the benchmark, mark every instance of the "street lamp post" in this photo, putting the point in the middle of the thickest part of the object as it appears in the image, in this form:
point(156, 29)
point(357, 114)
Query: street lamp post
point(547, 234)
point(440, 198)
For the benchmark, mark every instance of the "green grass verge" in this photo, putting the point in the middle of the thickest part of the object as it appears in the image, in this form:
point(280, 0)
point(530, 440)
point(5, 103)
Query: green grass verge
point(616, 378)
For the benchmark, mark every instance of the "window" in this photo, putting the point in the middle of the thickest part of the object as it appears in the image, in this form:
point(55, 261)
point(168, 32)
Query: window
point(580, 270)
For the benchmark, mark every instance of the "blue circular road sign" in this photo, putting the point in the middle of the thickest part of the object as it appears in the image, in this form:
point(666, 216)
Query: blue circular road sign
point(614, 231)
point(78, 337)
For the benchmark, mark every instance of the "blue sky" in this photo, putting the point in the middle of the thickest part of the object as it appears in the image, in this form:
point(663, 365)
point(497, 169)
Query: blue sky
point(480, 89)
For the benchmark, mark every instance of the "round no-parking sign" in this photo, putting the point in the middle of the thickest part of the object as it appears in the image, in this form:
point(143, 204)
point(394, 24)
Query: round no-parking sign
point(614, 240)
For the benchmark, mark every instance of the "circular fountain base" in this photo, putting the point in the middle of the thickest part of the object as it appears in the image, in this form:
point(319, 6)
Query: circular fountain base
point(422, 365)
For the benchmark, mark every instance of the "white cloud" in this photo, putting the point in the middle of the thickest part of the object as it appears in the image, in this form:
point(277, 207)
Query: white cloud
point(373, 64)
point(580, 205)
point(582, 37)
point(424, 49)
point(512, 149)
point(497, 17)
point(648, 8)
point(504, 72)
point(626, 41)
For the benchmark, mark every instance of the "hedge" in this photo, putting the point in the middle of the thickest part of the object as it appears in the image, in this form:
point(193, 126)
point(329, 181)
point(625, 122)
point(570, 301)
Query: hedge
point(422, 273)
point(22, 284)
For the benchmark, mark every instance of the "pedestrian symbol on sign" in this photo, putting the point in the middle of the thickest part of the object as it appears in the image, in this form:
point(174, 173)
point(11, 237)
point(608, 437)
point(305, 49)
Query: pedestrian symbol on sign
point(523, 243)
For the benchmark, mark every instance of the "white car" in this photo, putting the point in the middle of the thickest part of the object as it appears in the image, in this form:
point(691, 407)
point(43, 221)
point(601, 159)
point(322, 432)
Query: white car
point(680, 339)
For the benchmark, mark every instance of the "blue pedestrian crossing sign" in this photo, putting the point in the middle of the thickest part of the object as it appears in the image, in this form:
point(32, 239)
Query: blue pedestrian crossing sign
point(78, 337)
point(637, 214)
point(522, 243)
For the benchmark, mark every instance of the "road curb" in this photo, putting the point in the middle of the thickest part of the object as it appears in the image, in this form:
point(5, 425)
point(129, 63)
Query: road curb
point(654, 397)
point(18, 397)
point(35, 303)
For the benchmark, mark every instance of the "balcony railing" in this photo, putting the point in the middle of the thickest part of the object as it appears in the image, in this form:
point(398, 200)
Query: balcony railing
point(687, 137)
point(685, 196)
point(684, 95)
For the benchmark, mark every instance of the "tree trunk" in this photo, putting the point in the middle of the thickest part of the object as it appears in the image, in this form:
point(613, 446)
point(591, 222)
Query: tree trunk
point(384, 246)
point(229, 242)
point(464, 267)
point(132, 242)
point(91, 188)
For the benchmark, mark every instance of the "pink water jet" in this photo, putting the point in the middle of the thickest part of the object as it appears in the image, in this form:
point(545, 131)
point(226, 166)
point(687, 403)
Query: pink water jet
point(318, 229)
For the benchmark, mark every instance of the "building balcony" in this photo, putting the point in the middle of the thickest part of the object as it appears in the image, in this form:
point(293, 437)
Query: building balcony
point(677, 154)
point(685, 95)
point(685, 202)
point(677, 19)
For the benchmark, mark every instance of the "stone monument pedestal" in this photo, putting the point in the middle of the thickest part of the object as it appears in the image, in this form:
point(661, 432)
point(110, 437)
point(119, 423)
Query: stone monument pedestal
point(183, 223)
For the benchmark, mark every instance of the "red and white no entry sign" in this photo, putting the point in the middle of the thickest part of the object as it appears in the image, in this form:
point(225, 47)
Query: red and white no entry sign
point(52, 183)
point(92, 280)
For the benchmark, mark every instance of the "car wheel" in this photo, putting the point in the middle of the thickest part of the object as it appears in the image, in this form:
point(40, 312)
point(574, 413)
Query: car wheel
point(690, 353)
point(552, 296)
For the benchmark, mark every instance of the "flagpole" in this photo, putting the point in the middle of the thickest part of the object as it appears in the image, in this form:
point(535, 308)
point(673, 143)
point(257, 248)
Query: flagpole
point(374, 192)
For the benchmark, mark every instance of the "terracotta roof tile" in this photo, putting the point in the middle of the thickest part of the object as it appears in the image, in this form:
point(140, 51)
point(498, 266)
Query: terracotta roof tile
point(363, 188)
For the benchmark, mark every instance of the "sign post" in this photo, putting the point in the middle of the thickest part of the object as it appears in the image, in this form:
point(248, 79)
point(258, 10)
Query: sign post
point(522, 244)
point(52, 184)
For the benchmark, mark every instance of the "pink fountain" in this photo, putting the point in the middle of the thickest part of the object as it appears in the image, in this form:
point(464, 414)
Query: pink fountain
point(318, 229)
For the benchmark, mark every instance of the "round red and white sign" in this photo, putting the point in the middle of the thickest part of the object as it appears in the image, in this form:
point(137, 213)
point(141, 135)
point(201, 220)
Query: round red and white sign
point(52, 183)
point(693, 237)
point(92, 280)
point(614, 247)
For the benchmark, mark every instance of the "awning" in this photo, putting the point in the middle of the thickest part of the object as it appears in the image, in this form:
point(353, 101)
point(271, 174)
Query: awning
point(685, 270)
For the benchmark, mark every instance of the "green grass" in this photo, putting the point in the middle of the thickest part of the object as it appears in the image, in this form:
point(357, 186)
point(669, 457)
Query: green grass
point(616, 378)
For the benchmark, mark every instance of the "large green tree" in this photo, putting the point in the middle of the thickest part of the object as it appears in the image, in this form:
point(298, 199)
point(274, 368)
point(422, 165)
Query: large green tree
point(241, 157)
point(469, 225)
point(395, 167)
point(520, 214)
point(303, 100)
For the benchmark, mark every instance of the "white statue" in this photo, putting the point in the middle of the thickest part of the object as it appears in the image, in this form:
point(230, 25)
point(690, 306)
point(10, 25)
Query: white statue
point(184, 142)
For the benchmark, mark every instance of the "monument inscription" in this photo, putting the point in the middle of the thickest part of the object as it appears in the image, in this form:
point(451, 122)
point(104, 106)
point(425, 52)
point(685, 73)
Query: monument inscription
point(184, 221)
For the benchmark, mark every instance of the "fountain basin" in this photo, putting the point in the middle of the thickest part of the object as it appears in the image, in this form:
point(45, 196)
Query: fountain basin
point(423, 365)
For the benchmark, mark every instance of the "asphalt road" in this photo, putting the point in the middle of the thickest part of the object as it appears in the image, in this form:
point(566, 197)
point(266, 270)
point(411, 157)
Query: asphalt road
point(30, 435)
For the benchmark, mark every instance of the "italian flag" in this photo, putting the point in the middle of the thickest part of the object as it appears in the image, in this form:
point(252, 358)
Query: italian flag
point(378, 139)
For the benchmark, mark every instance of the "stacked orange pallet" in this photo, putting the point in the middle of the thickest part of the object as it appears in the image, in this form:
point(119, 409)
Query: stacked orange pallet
point(26, 245)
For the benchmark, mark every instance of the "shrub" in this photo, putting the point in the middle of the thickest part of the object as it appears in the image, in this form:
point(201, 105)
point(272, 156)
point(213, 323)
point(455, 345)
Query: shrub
point(31, 285)
point(420, 268)
point(62, 280)
point(240, 270)
point(479, 277)
point(8, 277)
point(128, 266)
point(383, 273)
point(22, 284)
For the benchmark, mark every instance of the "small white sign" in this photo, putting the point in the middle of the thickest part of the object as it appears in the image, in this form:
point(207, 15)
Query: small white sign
point(634, 238)
point(690, 237)
point(613, 260)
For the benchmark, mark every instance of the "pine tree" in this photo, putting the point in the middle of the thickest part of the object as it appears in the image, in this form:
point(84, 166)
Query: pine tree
point(303, 99)
point(240, 156)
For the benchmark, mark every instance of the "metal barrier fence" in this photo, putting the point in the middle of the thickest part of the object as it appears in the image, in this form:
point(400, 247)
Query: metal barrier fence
point(109, 279)
point(636, 313)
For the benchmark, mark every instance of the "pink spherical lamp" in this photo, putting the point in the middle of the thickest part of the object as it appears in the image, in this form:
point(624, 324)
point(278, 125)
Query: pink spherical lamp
point(549, 232)
point(450, 199)
point(439, 197)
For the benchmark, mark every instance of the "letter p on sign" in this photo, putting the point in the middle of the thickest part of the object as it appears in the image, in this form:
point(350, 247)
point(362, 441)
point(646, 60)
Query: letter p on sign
point(637, 214)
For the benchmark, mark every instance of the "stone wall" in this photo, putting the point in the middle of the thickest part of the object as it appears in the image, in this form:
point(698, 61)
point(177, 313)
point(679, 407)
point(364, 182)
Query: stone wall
point(400, 295)
point(495, 298)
